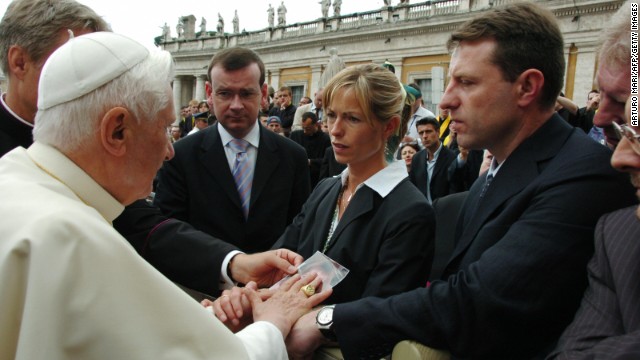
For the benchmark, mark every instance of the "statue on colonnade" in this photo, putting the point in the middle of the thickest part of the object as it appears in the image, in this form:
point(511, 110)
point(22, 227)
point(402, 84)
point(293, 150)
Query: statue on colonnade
point(337, 4)
point(282, 14)
point(220, 27)
point(270, 15)
point(236, 23)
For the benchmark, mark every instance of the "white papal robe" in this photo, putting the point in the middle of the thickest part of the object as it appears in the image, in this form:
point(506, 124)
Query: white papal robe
point(72, 288)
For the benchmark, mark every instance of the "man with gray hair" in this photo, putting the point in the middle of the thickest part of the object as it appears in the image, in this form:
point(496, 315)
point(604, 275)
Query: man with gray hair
point(607, 325)
point(29, 32)
point(70, 283)
point(614, 74)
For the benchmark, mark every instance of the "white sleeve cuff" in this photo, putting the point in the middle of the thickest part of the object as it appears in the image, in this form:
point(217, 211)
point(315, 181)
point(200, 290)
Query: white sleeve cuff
point(225, 281)
point(263, 340)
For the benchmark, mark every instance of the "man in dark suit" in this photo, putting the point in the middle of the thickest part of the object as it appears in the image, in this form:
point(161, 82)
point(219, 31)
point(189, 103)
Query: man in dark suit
point(314, 141)
point(198, 186)
point(430, 166)
point(525, 232)
point(607, 326)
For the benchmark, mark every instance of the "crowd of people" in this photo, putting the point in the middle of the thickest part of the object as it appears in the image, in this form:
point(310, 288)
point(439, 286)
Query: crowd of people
point(115, 211)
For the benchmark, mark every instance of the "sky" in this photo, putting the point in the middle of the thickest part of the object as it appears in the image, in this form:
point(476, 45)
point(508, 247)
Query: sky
point(142, 19)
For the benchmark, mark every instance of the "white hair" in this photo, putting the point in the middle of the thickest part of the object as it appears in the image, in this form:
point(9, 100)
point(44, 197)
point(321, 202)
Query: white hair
point(142, 90)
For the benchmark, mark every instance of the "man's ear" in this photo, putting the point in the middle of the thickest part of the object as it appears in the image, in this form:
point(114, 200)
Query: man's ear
point(19, 61)
point(115, 128)
point(208, 89)
point(529, 85)
point(264, 91)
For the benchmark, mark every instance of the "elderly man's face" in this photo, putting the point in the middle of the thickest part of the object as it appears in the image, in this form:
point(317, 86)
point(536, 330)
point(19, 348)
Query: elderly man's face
point(615, 86)
point(236, 96)
point(626, 157)
point(151, 148)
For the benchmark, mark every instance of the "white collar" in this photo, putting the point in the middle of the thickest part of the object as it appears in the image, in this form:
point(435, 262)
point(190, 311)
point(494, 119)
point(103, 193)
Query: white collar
point(12, 113)
point(385, 180)
point(60, 167)
point(253, 137)
point(493, 169)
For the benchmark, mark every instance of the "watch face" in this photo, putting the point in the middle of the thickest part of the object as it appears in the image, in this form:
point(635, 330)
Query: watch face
point(325, 316)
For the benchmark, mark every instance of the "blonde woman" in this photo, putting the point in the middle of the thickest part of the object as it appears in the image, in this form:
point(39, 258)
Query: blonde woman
point(370, 219)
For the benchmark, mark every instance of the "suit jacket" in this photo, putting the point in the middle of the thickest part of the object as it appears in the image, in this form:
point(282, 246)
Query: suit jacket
point(462, 177)
point(330, 167)
point(315, 146)
point(607, 326)
point(197, 186)
point(439, 185)
point(386, 243)
point(518, 271)
point(13, 132)
point(183, 254)
point(186, 125)
point(446, 209)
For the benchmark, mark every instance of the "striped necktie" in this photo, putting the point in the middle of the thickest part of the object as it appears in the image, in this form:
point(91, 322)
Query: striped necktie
point(486, 185)
point(242, 173)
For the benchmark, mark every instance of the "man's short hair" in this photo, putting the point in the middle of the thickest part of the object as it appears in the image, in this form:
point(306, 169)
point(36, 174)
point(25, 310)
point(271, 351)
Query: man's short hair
point(428, 120)
point(527, 37)
point(35, 26)
point(286, 89)
point(616, 38)
point(310, 115)
point(236, 58)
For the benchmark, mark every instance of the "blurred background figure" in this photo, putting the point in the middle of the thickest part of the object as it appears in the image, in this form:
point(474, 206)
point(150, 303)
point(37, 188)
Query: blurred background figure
point(304, 101)
point(274, 124)
point(407, 151)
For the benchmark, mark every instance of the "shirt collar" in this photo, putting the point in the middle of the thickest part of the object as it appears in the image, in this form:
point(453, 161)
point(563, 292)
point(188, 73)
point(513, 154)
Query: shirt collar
point(12, 113)
point(435, 154)
point(253, 137)
point(60, 167)
point(493, 169)
point(385, 180)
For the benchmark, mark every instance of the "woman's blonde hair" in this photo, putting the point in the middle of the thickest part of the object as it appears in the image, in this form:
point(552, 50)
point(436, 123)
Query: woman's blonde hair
point(377, 90)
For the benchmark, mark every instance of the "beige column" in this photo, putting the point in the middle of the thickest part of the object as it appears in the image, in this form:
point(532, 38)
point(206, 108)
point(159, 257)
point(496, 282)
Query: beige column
point(316, 75)
point(177, 94)
point(200, 93)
